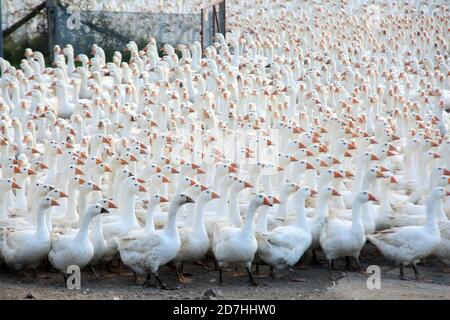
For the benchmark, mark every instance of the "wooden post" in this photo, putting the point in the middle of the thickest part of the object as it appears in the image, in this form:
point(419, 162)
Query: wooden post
point(50, 4)
point(1, 30)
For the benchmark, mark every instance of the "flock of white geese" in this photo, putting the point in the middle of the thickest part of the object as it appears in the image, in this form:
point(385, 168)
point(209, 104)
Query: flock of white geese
point(128, 161)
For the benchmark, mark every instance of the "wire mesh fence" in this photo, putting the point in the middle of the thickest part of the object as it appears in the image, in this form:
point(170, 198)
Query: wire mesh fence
point(113, 30)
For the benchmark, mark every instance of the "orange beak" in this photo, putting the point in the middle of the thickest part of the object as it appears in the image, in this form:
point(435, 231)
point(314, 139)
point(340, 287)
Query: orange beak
point(372, 198)
point(31, 172)
point(275, 200)
point(107, 169)
point(266, 202)
point(337, 175)
point(335, 193)
point(62, 195)
point(348, 174)
point(313, 192)
point(436, 156)
point(140, 180)
point(374, 157)
point(15, 185)
point(393, 179)
point(215, 195)
point(80, 162)
point(247, 185)
point(446, 172)
point(351, 146)
point(309, 153)
point(203, 187)
point(133, 158)
point(232, 169)
point(96, 188)
point(200, 171)
point(142, 189)
point(165, 180)
point(173, 170)
point(16, 169)
point(293, 159)
point(98, 161)
point(309, 166)
point(336, 161)
point(79, 172)
point(391, 153)
point(111, 205)
point(123, 162)
point(162, 199)
point(81, 181)
point(323, 163)
point(54, 203)
point(380, 175)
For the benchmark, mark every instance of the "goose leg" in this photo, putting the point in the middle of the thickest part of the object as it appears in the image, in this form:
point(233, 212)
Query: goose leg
point(185, 274)
point(147, 282)
point(314, 260)
point(250, 277)
point(402, 272)
point(359, 266)
point(348, 264)
point(93, 272)
point(163, 285)
point(180, 275)
point(416, 272)
point(220, 275)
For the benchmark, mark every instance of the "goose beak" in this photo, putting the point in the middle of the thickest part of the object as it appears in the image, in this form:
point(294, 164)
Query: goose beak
point(348, 174)
point(335, 193)
point(275, 200)
point(123, 162)
point(232, 169)
point(394, 180)
point(351, 146)
point(337, 175)
point(80, 162)
point(336, 161)
point(200, 171)
point(142, 189)
point(54, 203)
point(14, 185)
point(192, 182)
point(313, 192)
point(374, 157)
point(165, 180)
point(436, 156)
point(16, 169)
point(107, 169)
point(448, 193)
point(96, 188)
point(63, 195)
point(323, 163)
point(133, 158)
point(104, 211)
point(380, 174)
point(81, 181)
point(391, 153)
point(372, 197)
point(189, 200)
point(158, 169)
point(247, 185)
point(98, 161)
point(309, 166)
point(162, 199)
point(173, 170)
point(446, 172)
point(383, 169)
point(215, 195)
point(293, 159)
point(43, 166)
point(203, 187)
point(79, 172)
point(267, 202)
point(140, 180)
point(111, 205)
point(31, 172)
point(309, 153)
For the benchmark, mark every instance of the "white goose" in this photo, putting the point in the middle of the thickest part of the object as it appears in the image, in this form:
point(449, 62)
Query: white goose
point(406, 245)
point(285, 245)
point(238, 245)
point(144, 254)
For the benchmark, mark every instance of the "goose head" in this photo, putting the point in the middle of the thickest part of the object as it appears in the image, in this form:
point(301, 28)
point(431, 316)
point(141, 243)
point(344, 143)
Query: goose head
point(181, 199)
point(207, 195)
point(8, 184)
point(327, 193)
point(47, 202)
point(305, 192)
point(261, 200)
point(364, 196)
point(95, 210)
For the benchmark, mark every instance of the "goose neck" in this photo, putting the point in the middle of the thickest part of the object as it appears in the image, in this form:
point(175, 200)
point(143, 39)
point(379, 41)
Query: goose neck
point(199, 224)
point(357, 223)
point(248, 226)
point(301, 217)
point(171, 227)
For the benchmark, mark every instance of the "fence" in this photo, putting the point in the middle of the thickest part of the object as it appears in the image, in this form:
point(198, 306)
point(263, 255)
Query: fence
point(112, 30)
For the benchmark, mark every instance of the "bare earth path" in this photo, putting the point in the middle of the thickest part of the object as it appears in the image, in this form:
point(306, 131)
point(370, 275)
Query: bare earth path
point(312, 283)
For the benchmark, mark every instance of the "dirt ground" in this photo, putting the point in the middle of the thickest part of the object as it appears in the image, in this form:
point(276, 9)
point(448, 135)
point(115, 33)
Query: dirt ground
point(311, 283)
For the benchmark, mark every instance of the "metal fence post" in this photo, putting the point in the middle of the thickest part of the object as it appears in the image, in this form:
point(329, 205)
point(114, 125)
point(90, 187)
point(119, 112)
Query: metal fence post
point(1, 29)
point(50, 4)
